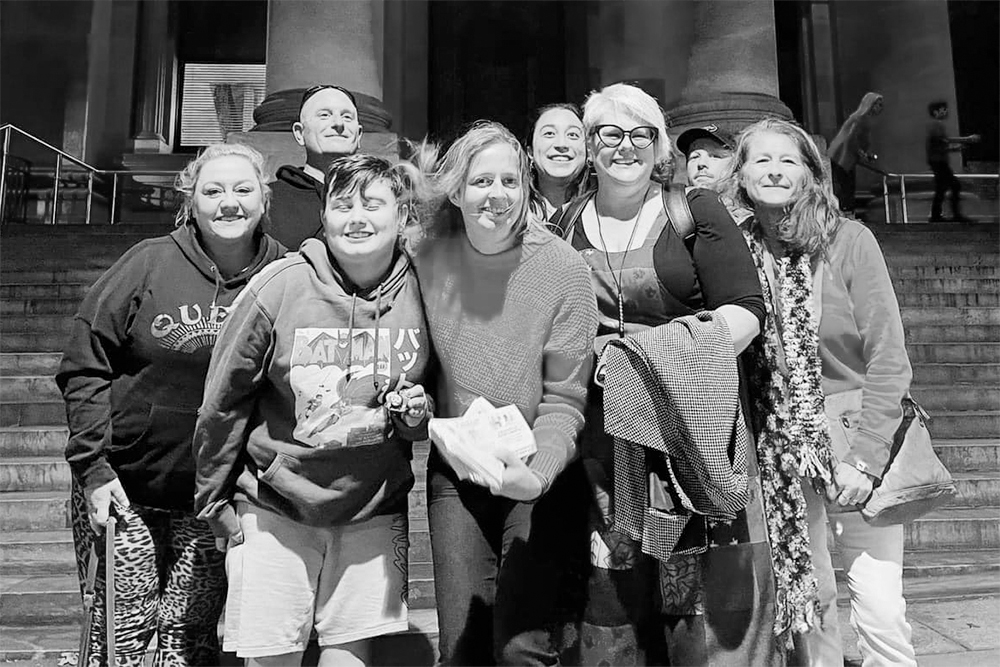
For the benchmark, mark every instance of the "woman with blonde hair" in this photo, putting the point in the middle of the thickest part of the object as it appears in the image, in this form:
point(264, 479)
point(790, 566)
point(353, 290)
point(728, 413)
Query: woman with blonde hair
point(507, 559)
point(833, 337)
point(699, 605)
point(850, 146)
point(132, 376)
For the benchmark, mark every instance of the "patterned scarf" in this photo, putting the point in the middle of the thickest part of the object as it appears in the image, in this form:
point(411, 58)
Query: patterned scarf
point(793, 438)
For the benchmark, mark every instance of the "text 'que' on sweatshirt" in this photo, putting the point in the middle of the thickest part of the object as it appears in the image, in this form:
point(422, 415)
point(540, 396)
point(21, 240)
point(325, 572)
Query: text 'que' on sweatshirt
point(134, 368)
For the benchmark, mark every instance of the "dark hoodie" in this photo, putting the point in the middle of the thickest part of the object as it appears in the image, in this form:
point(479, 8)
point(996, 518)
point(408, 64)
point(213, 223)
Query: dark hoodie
point(296, 205)
point(134, 367)
point(293, 417)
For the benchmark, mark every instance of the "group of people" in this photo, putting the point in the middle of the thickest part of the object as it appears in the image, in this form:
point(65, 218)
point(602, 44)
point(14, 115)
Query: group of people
point(712, 375)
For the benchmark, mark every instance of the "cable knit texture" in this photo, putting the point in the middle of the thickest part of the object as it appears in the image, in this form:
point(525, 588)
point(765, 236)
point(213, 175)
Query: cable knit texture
point(515, 328)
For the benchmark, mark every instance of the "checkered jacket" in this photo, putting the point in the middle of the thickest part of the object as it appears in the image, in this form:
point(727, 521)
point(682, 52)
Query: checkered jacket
point(672, 391)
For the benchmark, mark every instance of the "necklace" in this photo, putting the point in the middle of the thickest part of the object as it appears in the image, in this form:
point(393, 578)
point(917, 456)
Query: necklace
point(617, 279)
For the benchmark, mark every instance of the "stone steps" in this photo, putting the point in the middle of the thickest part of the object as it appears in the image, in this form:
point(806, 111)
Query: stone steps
point(39, 306)
point(952, 300)
point(926, 270)
point(965, 424)
point(37, 363)
point(945, 330)
point(953, 352)
point(956, 397)
point(55, 275)
point(954, 316)
point(75, 291)
point(925, 374)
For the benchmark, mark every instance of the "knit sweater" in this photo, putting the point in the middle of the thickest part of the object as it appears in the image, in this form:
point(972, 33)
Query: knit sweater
point(516, 328)
point(861, 341)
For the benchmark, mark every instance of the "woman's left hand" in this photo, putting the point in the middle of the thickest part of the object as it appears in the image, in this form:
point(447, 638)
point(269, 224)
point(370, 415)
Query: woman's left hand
point(852, 486)
point(417, 405)
point(519, 482)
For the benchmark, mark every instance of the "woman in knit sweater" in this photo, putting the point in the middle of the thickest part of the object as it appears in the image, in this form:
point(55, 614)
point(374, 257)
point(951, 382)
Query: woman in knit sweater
point(504, 560)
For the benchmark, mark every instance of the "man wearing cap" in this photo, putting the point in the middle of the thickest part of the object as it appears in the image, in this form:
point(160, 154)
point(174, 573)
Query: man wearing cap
point(708, 151)
point(327, 128)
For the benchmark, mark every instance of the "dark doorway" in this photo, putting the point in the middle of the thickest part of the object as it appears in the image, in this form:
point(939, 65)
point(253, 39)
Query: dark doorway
point(788, 21)
point(974, 27)
point(495, 59)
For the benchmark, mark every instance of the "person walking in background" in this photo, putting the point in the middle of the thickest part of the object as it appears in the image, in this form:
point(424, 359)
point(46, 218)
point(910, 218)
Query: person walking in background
point(851, 145)
point(558, 154)
point(328, 127)
point(833, 333)
point(303, 459)
point(939, 145)
point(131, 376)
point(511, 315)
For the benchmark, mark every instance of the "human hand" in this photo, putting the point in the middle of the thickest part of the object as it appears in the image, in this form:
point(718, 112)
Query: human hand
point(975, 138)
point(99, 500)
point(227, 528)
point(418, 404)
point(519, 482)
point(852, 487)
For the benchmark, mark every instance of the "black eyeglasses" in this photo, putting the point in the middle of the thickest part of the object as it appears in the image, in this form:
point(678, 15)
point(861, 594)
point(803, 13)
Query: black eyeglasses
point(612, 135)
point(312, 90)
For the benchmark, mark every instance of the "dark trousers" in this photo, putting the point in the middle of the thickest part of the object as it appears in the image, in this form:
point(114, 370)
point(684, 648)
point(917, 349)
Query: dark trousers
point(944, 180)
point(843, 186)
point(509, 576)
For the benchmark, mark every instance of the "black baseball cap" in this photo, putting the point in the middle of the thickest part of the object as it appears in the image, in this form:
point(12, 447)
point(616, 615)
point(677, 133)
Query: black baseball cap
point(312, 90)
point(713, 132)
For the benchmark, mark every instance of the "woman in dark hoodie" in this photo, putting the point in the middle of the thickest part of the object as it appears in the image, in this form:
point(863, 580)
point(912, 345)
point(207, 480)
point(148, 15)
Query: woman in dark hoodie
point(131, 376)
point(303, 441)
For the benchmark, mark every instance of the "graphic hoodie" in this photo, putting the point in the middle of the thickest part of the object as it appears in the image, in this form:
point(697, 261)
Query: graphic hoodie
point(296, 205)
point(134, 368)
point(293, 417)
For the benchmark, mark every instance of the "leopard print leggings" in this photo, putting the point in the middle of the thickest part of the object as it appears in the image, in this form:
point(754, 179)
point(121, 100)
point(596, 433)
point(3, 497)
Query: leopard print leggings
point(169, 579)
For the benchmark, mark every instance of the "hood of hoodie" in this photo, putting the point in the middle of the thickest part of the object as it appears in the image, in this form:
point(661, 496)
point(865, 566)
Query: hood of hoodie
point(318, 255)
point(298, 178)
point(187, 239)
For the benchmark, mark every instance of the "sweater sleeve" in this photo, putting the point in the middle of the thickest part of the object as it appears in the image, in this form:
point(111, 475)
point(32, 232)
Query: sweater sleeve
point(887, 366)
point(237, 371)
point(721, 258)
point(91, 361)
point(567, 362)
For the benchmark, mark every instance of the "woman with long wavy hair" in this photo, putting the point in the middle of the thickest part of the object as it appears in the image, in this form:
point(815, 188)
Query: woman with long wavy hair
point(833, 353)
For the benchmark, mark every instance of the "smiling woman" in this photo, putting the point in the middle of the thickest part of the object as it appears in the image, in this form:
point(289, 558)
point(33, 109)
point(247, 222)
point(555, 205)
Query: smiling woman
point(132, 375)
point(558, 152)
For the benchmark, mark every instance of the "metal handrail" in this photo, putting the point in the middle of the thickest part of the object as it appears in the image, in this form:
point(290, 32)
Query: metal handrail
point(61, 155)
point(886, 175)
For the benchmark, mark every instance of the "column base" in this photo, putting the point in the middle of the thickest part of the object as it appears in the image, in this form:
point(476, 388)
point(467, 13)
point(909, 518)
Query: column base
point(280, 109)
point(730, 111)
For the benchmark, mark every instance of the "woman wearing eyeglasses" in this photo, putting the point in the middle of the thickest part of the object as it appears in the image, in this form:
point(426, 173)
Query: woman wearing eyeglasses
point(696, 609)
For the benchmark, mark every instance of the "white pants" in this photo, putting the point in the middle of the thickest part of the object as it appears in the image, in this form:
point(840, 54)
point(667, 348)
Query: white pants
point(872, 557)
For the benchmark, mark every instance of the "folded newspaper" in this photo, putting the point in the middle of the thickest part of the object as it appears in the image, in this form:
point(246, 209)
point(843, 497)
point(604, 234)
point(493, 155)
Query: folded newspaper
point(474, 443)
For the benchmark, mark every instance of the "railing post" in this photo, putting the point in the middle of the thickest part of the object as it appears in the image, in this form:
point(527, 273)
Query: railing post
point(55, 189)
point(902, 196)
point(885, 198)
point(90, 196)
point(114, 196)
point(3, 175)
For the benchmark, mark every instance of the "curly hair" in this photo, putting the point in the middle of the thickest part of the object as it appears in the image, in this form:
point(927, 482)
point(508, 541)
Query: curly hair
point(445, 176)
point(187, 179)
point(811, 219)
point(634, 102)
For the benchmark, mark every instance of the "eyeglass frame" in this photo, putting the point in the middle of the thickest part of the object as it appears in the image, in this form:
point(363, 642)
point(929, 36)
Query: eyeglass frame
point(596, 131)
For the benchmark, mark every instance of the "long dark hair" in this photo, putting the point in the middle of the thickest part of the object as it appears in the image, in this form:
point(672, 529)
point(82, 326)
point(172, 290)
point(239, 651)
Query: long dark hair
point(582, 182)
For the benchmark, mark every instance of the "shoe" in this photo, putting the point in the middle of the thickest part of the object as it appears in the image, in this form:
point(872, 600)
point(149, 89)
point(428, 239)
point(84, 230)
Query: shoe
point(936, 218)
point(963, 219)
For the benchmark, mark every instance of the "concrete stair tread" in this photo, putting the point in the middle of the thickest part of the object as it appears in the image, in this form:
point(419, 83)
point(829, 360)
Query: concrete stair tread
point(950, 514)
point(27, 364)
point(964, 442)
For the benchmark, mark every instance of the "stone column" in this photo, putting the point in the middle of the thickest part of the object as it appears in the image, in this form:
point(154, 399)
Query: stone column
point(157, 78)
point(732, 69)
point(318, 41)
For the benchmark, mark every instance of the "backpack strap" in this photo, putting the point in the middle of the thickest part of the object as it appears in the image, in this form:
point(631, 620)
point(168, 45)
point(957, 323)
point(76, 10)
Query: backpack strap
point(675, 203)
point(562, 221)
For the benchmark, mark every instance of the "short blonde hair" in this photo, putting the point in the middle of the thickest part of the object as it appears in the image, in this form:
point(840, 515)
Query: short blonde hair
point(187, 179)
point(640, 105)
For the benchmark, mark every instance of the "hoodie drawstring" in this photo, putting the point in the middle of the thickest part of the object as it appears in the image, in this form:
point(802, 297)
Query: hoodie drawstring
point(378, 315)
point(218, 284)
point(350, 336)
